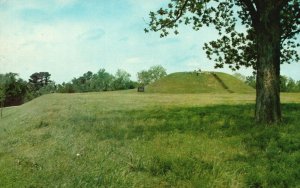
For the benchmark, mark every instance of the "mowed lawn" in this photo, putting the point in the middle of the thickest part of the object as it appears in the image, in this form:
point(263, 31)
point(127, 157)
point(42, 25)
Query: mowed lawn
point(130, 139)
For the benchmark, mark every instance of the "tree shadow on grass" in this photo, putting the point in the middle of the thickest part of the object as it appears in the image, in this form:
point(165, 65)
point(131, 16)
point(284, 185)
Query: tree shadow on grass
point(215, 121)
point(272, 156)
point(273, 151)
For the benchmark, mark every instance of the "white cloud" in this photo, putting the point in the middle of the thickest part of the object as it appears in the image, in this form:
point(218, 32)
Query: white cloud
point(68, 48)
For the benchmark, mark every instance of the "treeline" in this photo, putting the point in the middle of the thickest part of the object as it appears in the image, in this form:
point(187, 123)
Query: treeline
point(16, 91)
point(13, 90)
point(100, 81)
point(104, 81)
point(287, 84)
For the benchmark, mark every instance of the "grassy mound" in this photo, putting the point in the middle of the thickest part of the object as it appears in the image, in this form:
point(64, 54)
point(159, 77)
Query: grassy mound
point(119, 139)
point(206, 82)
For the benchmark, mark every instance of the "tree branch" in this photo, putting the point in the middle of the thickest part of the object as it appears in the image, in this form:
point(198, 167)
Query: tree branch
point(289, 35)
point(181, 11)
point(252, 10)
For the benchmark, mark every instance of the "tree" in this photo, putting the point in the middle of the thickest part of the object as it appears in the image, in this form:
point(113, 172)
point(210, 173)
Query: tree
point(283, 83)
point(39, 83)
point(83, 83)
point(49, 88)
point(102, 81)
point(298, 86)
point(65, 88)
point(288, 84)
point(154, 73)
point(269, 40)
point(144, 78)
point(291, 85)
point(13, 89)
point(39, 80)
point(121, 80)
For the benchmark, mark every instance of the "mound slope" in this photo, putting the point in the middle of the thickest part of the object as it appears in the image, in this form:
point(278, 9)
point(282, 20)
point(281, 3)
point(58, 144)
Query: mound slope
point(205, 82)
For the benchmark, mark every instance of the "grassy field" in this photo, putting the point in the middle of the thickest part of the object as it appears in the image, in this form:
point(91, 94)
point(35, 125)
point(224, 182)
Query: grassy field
point(130, 139)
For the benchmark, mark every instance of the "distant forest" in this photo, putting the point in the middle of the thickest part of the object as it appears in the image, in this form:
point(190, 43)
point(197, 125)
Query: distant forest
point(15, 91)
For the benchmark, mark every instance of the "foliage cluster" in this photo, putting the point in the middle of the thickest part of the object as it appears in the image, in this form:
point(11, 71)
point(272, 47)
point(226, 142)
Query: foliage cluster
point(269, 38)
point(13, 90)
point(16, 91)
point(234, 47)
point(40, 79)
point(100, 81)
point(287, 84)
point(146, 77)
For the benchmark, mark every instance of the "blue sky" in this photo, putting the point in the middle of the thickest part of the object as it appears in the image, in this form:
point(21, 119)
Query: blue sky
point(70, 37)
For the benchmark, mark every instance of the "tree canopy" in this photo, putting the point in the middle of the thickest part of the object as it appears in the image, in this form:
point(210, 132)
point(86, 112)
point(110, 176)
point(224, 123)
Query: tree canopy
point(269, 38)
point(40, 79)
point(235, 48)
point(151, 75)
point(12, 89)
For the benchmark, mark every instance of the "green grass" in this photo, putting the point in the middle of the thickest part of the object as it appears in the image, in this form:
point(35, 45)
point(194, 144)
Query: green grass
point(130, 139)
point(234, 84)
point(188, 82)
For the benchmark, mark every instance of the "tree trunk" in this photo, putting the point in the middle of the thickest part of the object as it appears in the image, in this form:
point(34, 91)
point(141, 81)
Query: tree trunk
point(268, 65)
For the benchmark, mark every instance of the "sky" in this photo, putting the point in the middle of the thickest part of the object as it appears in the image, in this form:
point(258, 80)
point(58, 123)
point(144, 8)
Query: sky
point(70, 37)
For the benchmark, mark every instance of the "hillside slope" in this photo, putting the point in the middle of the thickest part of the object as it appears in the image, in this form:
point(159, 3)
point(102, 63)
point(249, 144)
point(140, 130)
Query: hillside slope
point(124, 139)
point(206, 82)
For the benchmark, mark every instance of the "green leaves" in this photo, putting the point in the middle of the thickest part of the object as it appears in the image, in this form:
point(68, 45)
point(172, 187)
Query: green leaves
point(12, 89)
point(235, 48)
point(154, 73)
